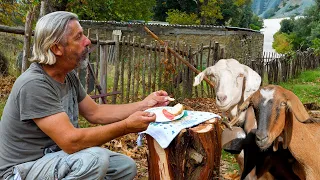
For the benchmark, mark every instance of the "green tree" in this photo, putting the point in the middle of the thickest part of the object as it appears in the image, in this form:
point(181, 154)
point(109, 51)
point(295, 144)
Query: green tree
point(92, 9)
point(118, 10)
point(230, 11)
point(163, 6)
point(256, 22)
point(178, 17)
point(209, 11)
point(304, 32)
point(125, 10)
point(282, 43)
point(238, 13)
point(287, 25)
point(316, 45)
point(10, 13)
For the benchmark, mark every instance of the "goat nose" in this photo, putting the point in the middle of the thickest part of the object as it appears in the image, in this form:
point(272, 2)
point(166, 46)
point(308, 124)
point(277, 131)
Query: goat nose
point(261, 135)
point(221, 98)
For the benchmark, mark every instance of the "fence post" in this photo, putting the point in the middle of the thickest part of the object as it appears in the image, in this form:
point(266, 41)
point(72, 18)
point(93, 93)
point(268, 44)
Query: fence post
point(103, 69)
point(27, 39)
point(117, 61)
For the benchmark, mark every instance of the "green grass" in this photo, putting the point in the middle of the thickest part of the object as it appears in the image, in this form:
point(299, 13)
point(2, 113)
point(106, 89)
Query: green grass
point(232, 163)
point(306, 86)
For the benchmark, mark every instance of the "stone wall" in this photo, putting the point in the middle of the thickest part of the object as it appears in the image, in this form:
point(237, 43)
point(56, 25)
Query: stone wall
point(239, 43)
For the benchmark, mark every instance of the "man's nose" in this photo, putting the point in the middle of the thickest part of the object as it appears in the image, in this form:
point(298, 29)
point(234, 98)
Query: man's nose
point(88, 42)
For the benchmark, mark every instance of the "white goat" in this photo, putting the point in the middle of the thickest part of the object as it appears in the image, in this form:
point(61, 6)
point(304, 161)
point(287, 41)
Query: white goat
point(234, 83)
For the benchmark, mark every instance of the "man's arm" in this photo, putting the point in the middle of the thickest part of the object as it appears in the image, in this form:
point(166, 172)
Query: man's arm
point(109, 113)
point(71, 139)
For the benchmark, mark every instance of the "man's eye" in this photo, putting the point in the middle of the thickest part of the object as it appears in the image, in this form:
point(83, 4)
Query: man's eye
point(78, 36)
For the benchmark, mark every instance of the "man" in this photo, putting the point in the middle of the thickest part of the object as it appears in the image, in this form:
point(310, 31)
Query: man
point(39, 133)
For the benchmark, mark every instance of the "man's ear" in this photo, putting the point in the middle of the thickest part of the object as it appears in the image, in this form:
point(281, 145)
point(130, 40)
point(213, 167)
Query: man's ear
point(56, 49)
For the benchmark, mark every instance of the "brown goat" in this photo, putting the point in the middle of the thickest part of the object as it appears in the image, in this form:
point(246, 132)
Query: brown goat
point(280, 113)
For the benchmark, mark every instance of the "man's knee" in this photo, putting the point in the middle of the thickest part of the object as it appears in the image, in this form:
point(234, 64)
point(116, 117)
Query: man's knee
point(121, 167)
point(101, 155)
point(94, 159)
point(132, 167)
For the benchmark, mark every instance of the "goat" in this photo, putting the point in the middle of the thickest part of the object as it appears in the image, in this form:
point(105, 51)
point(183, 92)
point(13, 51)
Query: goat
point(281, 115)
point(234, 83)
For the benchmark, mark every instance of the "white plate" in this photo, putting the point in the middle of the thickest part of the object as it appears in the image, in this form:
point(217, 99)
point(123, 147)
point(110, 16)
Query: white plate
point(160, 115)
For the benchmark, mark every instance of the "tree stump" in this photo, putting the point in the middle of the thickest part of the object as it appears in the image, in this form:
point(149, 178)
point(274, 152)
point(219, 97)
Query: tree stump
point(194, 154)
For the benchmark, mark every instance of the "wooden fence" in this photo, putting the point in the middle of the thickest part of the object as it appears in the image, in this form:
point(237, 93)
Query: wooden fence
point(277, 68)
point(136, 68)
point(129, 68)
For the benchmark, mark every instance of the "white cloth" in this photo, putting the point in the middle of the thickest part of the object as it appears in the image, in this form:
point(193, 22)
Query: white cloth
point(165, 132)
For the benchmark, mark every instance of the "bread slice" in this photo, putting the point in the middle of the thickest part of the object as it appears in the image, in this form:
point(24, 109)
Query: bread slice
point(177, 109)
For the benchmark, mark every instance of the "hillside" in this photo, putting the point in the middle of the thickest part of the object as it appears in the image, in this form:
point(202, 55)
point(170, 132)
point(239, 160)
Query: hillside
point(280, 8)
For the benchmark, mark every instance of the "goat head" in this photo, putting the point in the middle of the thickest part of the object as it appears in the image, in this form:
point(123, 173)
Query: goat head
point(274, 107)
point(233, 82)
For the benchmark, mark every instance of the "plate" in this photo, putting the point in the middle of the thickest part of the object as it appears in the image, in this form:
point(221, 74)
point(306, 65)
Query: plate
point(160, 115)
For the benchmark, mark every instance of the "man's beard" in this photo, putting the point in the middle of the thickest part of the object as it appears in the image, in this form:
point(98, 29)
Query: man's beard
point(83, 63)
point(84, 60)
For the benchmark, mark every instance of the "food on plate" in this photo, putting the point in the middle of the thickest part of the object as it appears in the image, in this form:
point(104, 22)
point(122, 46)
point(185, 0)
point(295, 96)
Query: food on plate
point(171, 99)
point(167, 114)
point(173, 112)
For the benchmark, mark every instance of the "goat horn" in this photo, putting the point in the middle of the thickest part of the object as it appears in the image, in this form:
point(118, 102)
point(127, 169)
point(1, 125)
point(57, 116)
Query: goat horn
point(242, 108)
point(245, 104)
point(226, 122)
point(233, 121)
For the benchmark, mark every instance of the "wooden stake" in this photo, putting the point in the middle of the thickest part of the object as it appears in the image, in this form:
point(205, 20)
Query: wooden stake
point(178, 56)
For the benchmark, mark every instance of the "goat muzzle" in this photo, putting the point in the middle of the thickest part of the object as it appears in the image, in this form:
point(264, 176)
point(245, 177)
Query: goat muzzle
point(262, 140)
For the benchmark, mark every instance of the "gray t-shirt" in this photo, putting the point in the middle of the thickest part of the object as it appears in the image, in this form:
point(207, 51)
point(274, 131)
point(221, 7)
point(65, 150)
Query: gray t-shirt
point(34, 95)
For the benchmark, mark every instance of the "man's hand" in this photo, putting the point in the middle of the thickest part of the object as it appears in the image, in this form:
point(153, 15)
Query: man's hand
point(139, 121)
point(155, 99)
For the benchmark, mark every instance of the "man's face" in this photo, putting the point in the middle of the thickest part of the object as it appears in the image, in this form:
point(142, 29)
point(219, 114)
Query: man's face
point(76, 46)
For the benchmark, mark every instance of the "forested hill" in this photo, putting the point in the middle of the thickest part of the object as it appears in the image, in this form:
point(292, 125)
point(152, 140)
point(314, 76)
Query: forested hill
point(280, 8)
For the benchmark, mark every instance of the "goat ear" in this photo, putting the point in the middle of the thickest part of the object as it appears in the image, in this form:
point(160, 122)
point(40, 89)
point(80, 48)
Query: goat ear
point(198, 78)
point(253, 81)
point(296, 107)
point(207, 72)
point(287, 133)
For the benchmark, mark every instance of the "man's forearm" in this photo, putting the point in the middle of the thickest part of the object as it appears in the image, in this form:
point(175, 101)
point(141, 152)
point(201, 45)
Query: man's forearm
point(109, 113)
point(94, 136)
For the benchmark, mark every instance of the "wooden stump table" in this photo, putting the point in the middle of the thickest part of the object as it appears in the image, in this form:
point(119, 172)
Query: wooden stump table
point(194, 154)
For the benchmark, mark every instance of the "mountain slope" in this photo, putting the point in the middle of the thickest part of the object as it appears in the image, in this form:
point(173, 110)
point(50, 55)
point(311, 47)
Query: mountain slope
point(280, 8)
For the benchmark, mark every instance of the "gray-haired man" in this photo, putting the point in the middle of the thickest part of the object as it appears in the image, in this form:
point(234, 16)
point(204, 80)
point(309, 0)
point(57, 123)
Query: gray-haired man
point(39, 133)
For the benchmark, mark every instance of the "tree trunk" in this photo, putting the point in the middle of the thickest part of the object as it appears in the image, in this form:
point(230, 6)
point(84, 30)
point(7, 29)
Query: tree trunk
point(27, 38)
point(194, 154)
point(43, 8)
